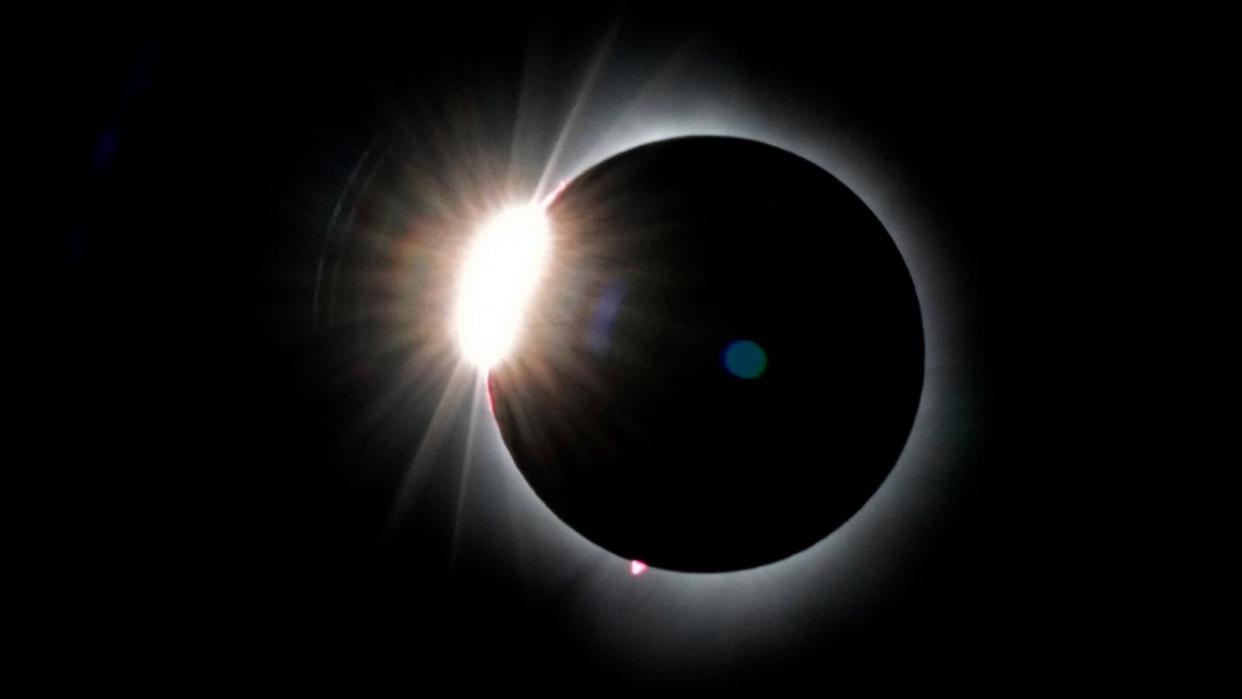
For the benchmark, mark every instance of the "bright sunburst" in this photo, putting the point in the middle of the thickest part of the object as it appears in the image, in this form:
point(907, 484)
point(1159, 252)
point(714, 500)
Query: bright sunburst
point(497, 279)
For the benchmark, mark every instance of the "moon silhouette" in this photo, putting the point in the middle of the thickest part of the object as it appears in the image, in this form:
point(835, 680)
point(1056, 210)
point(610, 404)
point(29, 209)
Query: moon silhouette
point(722, 361)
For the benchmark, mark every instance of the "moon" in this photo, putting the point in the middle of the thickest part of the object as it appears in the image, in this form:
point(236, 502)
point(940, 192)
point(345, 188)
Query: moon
point(721, 361)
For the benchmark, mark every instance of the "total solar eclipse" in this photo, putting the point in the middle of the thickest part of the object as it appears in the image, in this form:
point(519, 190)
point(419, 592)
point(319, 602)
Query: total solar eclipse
point(704, 354)
point(662, 351)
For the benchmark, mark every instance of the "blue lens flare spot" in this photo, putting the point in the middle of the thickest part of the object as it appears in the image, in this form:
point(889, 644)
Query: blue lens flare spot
point(745, 359)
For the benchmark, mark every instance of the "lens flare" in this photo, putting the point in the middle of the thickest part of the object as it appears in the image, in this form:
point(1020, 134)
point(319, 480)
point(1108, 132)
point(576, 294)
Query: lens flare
point(497, 280)
point(745, 359)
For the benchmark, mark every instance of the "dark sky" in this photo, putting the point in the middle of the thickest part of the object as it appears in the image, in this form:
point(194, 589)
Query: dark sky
point(229, 478)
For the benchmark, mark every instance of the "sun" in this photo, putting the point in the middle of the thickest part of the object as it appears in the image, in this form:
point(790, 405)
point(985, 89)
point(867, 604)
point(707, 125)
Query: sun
point(498, 277)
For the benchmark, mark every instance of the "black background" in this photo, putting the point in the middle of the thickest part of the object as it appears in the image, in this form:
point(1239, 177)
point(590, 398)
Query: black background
point(210, 517)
